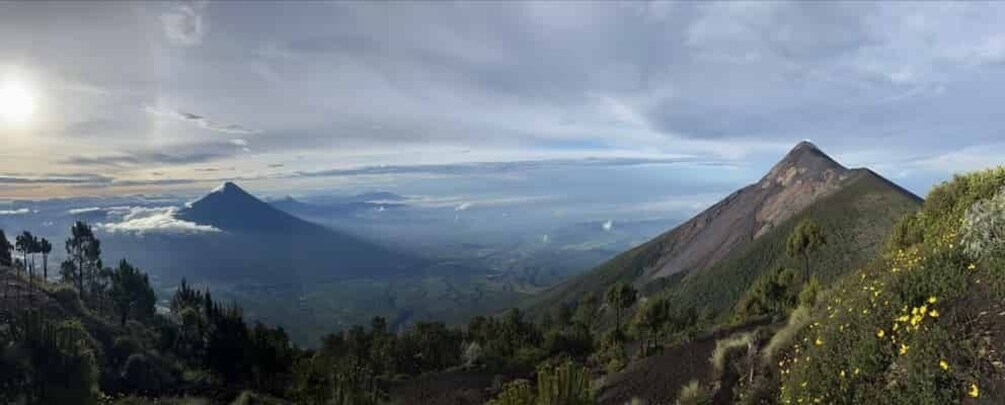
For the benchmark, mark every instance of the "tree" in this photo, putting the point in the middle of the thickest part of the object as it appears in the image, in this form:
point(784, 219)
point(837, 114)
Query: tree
point(620, 296)
point(5, 247)
point(805, 239)
point(83, 251)
point(586, 311)
point(131, 292)
point(650, 318)
point(45, 248)
point(22, 243)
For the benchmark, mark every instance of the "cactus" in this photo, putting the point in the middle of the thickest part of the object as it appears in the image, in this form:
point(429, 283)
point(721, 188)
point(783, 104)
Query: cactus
point(516, 392)
point(565, 384)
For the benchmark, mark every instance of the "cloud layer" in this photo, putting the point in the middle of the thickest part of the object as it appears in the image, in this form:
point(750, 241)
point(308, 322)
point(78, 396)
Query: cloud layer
point(408, 88)
point(142, 220)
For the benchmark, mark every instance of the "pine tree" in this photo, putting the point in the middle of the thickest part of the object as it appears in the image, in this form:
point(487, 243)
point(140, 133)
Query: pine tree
point(5, 247)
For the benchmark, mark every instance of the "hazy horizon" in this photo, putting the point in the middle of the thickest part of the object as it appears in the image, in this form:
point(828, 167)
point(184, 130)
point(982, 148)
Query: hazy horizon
point(478, 100)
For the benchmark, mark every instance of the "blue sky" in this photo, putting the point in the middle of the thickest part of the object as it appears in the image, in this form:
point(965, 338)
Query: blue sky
point(642, 102)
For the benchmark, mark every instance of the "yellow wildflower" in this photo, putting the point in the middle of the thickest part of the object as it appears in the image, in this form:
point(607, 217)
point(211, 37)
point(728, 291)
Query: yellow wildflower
point(933, 313)
point(943, 364)
point(818, 342)
point(974, 391)
point(971, 266)
point(881, 333)
point(842, 373)
point(932, 300)
point(903, 349)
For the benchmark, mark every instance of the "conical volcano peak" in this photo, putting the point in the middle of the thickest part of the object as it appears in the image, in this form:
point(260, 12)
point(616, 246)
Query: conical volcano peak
point(804, 162)
point(227, 187)
point(805, 145)
point(226, 193)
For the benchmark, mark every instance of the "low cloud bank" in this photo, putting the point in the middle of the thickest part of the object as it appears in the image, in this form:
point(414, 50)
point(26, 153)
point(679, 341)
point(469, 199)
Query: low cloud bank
point(162, 220)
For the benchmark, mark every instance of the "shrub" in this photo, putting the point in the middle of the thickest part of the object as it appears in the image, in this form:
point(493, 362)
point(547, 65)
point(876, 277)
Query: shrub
point(564, 384)
point(516, 392)
point(68, 298)
point(901, 330)
point(983, 232)
point(729, 347)
point(694, 394)
point(148, 372)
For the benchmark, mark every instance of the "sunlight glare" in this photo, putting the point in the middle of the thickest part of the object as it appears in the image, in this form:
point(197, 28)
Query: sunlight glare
point(17, 104)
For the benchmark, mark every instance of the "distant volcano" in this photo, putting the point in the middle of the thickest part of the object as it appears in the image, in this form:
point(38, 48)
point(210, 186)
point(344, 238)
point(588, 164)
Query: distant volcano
point(231, 209)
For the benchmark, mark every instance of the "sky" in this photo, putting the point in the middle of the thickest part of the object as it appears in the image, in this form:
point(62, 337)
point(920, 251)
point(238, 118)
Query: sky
point(680, 102)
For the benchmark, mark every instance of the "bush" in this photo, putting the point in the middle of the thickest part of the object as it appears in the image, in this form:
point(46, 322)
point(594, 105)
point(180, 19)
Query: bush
point(728, 348)
point(516, 392)
point(564, 384)
point(148, 372)
point(68, 298)
point(694, 394)
point(983, 230)
point(902, 330)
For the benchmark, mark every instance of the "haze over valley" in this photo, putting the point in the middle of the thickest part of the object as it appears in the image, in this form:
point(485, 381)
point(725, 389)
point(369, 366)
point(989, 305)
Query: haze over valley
point(503, 203)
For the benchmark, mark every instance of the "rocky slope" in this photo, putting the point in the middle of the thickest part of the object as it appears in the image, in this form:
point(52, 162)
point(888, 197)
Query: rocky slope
point(804, 177)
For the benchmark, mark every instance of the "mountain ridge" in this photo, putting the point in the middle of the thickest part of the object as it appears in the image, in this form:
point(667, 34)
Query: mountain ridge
point(802, 178)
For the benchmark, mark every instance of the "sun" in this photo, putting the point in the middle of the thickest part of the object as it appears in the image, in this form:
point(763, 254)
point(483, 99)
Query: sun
point(17, 103)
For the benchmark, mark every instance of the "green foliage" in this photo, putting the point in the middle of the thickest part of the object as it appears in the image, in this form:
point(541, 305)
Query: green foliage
point(564, 384)
point(730, 347)
point(856, 220)
point(694, 394)
point(502, 339)
point(620, 296)
point(517, 392)
point(805, 239)
point(903, 329)
point(43, 361)
point(131, 293)
point(812, 288)
point(651, 319)
point(149, 372)
point(5, 250)
point(947, 203)
point(983, 232)
point(775, 293)
point(83, 263)
point(327, 379)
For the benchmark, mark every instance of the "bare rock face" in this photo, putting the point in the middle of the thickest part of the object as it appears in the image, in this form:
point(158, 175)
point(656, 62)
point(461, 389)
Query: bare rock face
point(802, 177)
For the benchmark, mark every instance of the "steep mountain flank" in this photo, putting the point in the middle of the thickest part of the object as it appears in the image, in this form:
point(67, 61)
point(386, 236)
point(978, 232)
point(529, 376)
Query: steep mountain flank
point(804, 177)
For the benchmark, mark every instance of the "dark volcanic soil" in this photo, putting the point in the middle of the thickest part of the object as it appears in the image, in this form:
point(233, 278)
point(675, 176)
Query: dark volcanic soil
point(447, 388)
point(658, 379)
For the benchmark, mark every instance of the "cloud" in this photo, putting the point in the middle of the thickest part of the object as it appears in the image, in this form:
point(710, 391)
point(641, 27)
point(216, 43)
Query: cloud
point(472, 168)
point(87, 210)
point(141, 220)
point(204, 123)
point(463, 206)
point(20, 211)
point(79, 179)
point(145, 158)
point(184, 24)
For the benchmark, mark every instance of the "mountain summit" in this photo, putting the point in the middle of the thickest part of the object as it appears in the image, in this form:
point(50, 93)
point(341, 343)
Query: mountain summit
point(801, 180)
point(230, 208)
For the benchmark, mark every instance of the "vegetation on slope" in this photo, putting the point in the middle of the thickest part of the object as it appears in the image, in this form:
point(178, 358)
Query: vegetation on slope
point(855, 221)
point(923, 323)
